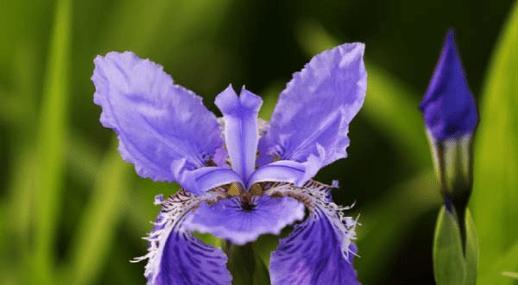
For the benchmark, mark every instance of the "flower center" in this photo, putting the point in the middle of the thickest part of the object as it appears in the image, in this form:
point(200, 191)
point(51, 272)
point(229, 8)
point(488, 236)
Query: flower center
point(246, 197)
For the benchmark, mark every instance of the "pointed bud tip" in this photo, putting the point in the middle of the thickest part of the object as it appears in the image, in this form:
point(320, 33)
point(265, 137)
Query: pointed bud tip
point(448, 106)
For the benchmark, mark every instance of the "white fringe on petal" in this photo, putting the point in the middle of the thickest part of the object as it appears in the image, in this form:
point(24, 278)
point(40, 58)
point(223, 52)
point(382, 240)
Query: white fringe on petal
point(316, 197)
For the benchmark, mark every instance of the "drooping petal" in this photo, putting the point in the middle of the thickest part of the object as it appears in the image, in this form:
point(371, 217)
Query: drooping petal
point(157, 122)
point(231, 220)
point(320, 250)
point(175, 256)
point(316, 107)
point(241, 128)
point(448, 106)
point(312, 254)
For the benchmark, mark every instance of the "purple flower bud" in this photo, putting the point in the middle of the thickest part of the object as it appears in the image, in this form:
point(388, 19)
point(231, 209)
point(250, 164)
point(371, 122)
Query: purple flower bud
point(448, 106)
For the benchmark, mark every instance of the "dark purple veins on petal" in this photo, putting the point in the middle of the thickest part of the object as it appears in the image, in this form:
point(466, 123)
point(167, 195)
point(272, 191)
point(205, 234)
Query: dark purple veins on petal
point(187, 261)
point(312, 254)
point(240, 223)
point(175, 257)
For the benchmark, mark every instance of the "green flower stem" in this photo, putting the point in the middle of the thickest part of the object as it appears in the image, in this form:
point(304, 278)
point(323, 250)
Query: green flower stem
point(246, 267)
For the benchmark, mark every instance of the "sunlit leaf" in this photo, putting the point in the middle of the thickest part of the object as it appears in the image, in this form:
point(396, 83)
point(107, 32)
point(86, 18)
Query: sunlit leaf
point(496, 159)
point(180, 19)
point(471, 250)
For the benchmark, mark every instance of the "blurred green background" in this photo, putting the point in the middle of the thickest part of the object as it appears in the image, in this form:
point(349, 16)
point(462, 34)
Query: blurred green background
point(71, 212)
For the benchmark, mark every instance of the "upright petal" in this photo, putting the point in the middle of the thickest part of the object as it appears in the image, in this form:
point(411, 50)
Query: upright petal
point(157, 122)
point(241, 128)
point(316, 107)
point(231, 220)
point(320, 250)
point(176, 257)
point(448, 106)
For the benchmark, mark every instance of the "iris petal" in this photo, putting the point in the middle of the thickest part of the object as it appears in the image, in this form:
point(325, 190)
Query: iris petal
point(178, 258)
point(312, 254)
point(241, 128)
point(231, 220)
point(319, 250)
point(157, 122)
point(316, 107)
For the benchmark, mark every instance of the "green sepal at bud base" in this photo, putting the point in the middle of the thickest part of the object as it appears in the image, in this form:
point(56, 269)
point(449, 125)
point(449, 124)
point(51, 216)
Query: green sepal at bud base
point(455, 262)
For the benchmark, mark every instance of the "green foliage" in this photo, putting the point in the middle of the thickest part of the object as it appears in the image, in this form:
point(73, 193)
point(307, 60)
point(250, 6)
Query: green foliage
point(95, 231)
point(496, 162)
point(449, 265)
point(52, 131)
point(73, 212)
point(471, 252)
point(455, 262)
point(246, 266)
point(391, 219)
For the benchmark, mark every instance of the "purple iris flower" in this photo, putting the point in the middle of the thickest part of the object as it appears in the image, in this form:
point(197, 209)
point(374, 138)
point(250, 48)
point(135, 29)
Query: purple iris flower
point(448, 106)
point(241, 177)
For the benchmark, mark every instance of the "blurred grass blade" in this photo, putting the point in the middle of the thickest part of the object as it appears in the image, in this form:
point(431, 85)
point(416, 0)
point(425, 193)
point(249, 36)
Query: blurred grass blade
point(495, 194)
point(270, 96)
point(387, 222)
point(51, 143)
point(140, 31)
point(143, 211)
point(392, 108)
point(83, 159)
point(21, 109)
point(501, 268)
point(510, 274)
point(448, 256)
point(390, 105)
point(99, 220)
